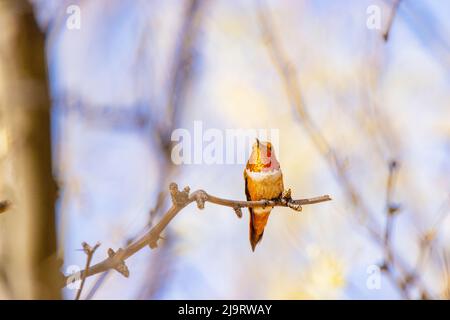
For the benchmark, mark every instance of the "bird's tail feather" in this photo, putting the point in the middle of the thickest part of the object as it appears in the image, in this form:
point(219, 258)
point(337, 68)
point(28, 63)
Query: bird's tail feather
point(257, 223)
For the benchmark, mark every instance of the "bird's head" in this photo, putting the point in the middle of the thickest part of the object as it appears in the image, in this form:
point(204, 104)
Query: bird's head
point(263, 158)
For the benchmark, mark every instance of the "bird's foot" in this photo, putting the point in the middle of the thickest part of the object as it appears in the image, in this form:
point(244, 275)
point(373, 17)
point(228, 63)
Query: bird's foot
point(286, 196)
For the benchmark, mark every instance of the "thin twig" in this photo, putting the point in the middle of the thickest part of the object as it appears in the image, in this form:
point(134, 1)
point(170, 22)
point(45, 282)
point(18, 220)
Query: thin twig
point(89, 253)
point(394, 10)
point(181, 199)
point(391, 210)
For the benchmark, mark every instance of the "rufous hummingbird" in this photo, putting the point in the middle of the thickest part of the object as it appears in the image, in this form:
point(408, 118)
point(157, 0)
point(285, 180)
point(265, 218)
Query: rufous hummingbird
point(263, 180)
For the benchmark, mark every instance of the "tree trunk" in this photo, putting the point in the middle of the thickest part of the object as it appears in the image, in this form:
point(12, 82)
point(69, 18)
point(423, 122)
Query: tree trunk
point(28, 264)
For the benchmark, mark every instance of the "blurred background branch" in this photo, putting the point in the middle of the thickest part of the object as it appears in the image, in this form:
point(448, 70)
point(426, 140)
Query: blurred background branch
point(395, 4)
point(393, 263)
point(183, 61)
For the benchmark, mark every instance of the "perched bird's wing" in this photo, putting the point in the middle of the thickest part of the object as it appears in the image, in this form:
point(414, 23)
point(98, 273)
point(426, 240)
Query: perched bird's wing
point(247, 193)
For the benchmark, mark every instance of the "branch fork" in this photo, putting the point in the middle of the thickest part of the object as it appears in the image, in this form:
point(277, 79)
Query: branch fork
point(120, 266)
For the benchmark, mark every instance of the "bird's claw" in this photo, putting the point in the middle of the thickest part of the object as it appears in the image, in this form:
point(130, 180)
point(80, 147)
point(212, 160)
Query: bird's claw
point(286, 194)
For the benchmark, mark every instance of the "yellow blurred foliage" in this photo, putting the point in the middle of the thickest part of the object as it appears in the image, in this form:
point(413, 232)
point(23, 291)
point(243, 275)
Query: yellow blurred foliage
point(323, 278)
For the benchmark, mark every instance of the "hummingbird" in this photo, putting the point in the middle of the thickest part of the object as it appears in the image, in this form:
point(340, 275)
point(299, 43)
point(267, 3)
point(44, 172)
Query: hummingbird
point(263, 180)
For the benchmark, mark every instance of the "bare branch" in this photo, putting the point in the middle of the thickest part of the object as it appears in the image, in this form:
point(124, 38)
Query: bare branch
point(180, 200)
point(89, 253)
point(391, 208)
